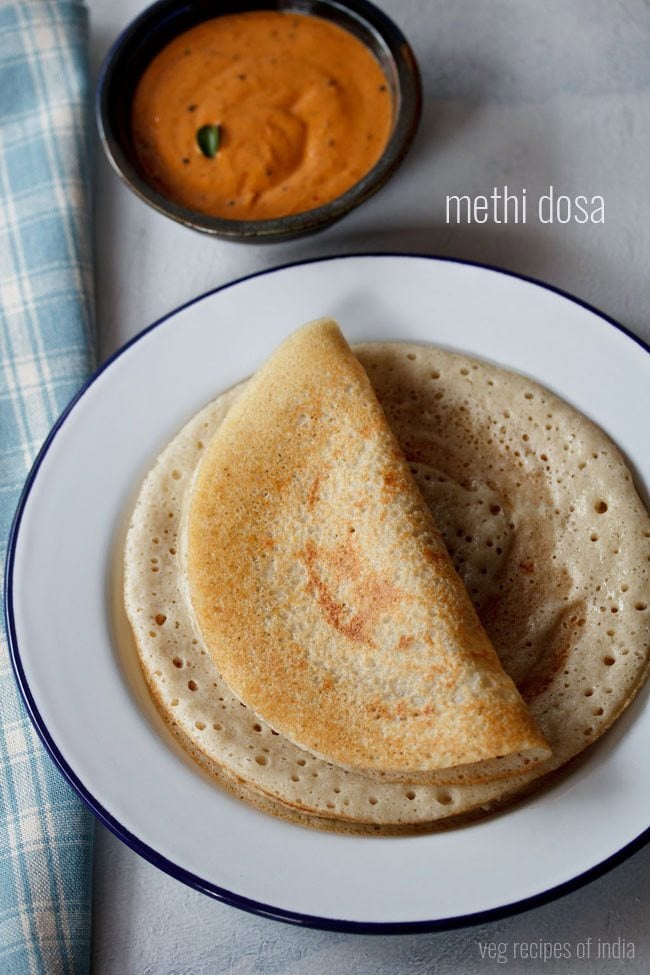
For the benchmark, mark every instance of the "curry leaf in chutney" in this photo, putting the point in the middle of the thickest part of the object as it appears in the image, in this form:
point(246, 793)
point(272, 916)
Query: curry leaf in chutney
point(208, 138)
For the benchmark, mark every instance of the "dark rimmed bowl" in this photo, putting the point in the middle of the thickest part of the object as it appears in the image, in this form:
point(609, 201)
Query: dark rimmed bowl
point(163, 21)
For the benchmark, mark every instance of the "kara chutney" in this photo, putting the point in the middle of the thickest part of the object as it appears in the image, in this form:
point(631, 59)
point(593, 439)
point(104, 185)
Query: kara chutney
point(301, 107)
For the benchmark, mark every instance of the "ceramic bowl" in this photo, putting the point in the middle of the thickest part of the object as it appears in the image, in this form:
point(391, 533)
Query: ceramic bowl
point(163, 21)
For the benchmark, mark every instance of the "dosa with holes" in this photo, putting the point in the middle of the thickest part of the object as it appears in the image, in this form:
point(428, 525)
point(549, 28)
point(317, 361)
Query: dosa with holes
point(324, 592)
point(540, 515)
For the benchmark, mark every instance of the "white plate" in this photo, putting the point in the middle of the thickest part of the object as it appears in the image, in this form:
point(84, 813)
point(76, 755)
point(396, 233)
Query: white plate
point(99, 727)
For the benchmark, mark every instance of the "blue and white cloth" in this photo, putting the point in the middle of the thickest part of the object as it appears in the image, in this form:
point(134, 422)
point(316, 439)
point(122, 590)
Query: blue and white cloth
point(46, 351)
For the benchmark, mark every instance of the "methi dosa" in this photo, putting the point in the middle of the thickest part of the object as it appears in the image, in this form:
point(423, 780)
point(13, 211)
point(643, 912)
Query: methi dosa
point(539, 558)
point(323, 590)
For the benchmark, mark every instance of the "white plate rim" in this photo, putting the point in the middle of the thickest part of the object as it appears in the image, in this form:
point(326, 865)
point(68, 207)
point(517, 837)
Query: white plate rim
point(141, 847)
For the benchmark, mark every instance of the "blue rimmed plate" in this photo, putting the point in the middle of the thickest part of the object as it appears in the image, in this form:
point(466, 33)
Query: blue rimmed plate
point(84, 691)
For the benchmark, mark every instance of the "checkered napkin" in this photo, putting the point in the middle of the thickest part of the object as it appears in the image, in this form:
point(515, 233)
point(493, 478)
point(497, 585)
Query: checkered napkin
point(46, 351)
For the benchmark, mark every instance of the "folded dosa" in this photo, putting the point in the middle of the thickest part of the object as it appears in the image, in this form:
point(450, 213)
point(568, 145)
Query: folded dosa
point(324, 592)
point(518, 482)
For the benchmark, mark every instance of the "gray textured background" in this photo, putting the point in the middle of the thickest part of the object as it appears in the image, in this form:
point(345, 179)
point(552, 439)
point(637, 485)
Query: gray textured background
point(516, 92)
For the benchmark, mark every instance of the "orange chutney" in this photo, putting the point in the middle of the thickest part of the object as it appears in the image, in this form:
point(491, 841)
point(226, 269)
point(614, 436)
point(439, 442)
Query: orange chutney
point(303, 111)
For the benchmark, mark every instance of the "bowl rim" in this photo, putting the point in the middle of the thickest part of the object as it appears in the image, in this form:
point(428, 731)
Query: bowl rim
point(407, 116)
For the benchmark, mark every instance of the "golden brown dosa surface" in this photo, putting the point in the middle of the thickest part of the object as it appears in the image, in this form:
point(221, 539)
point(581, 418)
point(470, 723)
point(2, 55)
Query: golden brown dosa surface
point(323, 590)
